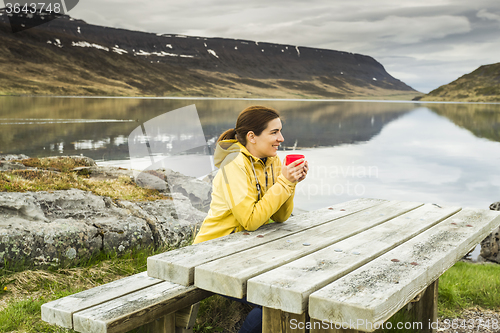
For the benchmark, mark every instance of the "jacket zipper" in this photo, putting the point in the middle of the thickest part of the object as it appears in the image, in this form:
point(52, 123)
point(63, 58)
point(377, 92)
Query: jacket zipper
point(265, 173)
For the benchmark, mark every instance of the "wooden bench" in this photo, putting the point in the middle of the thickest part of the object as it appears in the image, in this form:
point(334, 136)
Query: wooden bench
point(140, 299)
point(357, 263)
point(120, 306)
point(345, 268)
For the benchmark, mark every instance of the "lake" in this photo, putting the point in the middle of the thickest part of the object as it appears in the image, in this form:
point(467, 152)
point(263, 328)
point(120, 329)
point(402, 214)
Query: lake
point(443, 153)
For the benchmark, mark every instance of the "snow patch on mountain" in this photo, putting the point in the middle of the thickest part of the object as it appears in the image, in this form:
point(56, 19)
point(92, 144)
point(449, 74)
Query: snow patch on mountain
point(87, 44)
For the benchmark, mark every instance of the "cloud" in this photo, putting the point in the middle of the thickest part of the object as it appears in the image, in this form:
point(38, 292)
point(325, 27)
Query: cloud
point(484, 14)
point(398, 30)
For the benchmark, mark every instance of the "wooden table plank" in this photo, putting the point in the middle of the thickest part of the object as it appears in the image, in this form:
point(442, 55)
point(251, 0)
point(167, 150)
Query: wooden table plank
point(138, 308)
point(229, 275)
point(60, 312)
point(178, 266)
point(374, 292)
point(288, 287)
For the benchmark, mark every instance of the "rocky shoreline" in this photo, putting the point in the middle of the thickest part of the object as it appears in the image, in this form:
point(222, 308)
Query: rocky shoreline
point(71, 226)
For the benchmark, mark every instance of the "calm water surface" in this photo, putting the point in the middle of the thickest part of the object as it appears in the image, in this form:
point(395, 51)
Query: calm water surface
point(447, 154)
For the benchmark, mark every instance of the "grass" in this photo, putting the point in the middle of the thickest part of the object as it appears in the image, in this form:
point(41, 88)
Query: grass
point(218, 314)
point(62, 164)
point(466, 286)
point(27, 290)
point(24, 292)
point(463, 286)
point(54, 174)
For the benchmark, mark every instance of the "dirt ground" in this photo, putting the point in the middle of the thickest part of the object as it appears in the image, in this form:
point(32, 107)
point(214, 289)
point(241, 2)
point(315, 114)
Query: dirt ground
point(472, 320)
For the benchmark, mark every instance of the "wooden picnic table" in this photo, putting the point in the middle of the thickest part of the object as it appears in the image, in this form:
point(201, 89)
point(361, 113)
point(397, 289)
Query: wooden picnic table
point(345, 268)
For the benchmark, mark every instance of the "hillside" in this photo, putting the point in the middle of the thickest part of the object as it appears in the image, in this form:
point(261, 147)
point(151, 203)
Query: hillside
point(482, 85)
point(70, 57)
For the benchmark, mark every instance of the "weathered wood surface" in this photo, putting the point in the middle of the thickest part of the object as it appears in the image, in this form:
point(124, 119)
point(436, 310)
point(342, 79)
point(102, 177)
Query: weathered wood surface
point(419, 316)
point(374, 292)
point(60, 312)
point(289, 286)
point(229, 275)
point(138, 308)
point(277, 321)
point(178, 266)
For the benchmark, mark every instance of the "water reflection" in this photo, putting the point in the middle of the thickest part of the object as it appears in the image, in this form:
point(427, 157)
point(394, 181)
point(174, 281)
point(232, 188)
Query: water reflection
point(483, 120)
point(442, 153)
point(96, 127)
point(419, 157)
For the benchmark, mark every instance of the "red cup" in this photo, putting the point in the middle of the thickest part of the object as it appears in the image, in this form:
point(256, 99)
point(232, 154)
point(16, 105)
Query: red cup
point(293, 157)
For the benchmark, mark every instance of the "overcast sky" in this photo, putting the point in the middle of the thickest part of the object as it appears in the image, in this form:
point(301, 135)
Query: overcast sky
point(424, 43)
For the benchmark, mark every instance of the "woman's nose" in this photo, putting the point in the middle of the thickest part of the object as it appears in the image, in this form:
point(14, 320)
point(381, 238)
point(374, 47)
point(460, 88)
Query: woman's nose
point(281, 138)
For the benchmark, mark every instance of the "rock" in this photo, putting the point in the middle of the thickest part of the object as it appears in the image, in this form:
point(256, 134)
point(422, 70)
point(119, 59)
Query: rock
point(198, 191)
point(490, 245)
point(87, 161)
point(60, 227)
point(75, 204)
point(118, 235)
point(20, 205)
point(99, 172)
point(11, 157)
point(210, 177)
point(24, 242)
point(9, 166)
point(176, 221)
point(6, 163)
point(152, 179)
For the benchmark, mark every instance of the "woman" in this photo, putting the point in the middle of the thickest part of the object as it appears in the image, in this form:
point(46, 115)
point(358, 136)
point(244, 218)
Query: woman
point(252, 186)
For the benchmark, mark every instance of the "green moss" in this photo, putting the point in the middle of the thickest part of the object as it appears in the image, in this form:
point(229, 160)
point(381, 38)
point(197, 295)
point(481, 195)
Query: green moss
point(63, 164)
point(122, 188)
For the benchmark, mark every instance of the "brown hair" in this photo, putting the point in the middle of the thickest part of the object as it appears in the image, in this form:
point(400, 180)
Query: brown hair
point(253, 118)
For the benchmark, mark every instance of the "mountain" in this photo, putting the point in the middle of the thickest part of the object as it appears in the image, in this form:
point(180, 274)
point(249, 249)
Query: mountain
point(70, 57)
point(482, 85)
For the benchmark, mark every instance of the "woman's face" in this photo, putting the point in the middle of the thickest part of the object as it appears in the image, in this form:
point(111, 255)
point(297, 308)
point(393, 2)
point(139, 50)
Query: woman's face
point(267, 143)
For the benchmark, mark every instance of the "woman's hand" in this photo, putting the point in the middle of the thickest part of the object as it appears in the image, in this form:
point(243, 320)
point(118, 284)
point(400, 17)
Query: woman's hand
point(293, 171)
point(304, 171)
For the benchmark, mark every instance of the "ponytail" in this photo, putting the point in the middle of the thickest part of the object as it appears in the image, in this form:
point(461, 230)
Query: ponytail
point(230, 134)
point(253, 118)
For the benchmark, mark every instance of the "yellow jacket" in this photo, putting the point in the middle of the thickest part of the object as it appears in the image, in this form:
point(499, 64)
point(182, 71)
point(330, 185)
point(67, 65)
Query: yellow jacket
point(235, 202)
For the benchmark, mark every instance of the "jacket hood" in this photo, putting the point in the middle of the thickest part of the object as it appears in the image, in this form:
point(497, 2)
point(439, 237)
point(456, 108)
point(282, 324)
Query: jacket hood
point(227, 147)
